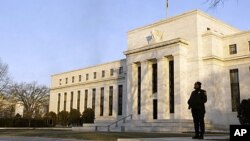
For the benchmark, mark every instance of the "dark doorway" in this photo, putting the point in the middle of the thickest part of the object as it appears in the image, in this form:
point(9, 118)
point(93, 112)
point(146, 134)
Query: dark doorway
point(171, 86)
point(155, 109)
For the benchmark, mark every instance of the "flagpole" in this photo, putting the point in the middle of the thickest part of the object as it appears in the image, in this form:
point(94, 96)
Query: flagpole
point(166, 8)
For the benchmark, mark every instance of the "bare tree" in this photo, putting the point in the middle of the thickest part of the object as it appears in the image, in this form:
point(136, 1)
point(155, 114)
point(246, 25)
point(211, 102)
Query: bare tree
point(6, 104)
point(32, 96)
point(4, 78)
point(215, 3)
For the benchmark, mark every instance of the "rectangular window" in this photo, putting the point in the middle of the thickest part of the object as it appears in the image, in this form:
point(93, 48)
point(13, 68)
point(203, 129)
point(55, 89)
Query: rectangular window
point(71, 100)
point(66, 81)
point(103, 73)
point(93, 99)
point(94, 75)
point(110, 100)
point(58, 103)
point(78, 100)
point(73, 79)
point(86, 100)
point(80, 78)
point(139, 91)
point(102, 101)
point(120, 89)
point(171, 86)
point(154, 78)
point(65, 100)
point(249, 45)
point(111, 72)
point(60, 81)
point(87, 76)
point(233, 49)
point(235, 89)
point(120, 70)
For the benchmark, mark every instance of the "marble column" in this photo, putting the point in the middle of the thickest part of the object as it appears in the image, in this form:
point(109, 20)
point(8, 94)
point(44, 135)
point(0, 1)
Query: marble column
point(106, 101)
point(181, 96)
point(97, 102)
point(131, 89)
point(163, 88)
point(146, 91)
point(115, 101)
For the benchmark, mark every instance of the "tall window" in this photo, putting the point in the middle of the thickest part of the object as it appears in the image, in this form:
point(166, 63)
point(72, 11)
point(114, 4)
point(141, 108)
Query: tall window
point(80, 78)
point(78, 100)
point(94, 75)
point(73, 79)
point(60, 81)
point(154, 78)
point(249, 45)
point(111, 72)
point(110, 100)
point(233, 49)
point(171, 86)
point(87, 76)
point(86, 100)
point(65, 100)
point(102, 101)
point(58, 103)
point(103, 73)
point(235, 89)
point(93, 99)
point(120, 70)
point(66, 81)
point(120, 89)
point(71, 100)
point(139, 91)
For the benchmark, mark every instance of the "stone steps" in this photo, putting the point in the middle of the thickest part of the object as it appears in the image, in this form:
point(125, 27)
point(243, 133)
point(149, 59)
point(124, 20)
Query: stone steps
point(171, 125)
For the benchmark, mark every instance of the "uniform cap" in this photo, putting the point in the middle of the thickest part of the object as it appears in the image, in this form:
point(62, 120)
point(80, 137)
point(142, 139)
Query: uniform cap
point(198, 83)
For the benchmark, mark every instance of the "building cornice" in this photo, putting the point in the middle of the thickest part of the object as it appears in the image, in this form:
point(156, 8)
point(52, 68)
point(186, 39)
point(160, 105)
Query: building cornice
point(226, 59)
point(89, 82)
point(237, 34)
point(157, 45)
point(94, 66)
point(193, 12)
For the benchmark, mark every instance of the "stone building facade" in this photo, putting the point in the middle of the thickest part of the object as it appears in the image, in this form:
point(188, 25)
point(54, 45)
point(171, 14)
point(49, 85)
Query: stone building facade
point(163, 61)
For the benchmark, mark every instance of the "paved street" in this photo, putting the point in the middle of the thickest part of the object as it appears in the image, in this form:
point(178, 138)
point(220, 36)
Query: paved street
point(20, 138)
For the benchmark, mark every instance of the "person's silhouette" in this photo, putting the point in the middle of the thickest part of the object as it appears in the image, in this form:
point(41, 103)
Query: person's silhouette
point(196, 103)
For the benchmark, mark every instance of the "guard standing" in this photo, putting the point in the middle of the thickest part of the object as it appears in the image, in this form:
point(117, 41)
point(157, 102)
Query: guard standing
point(196, 103)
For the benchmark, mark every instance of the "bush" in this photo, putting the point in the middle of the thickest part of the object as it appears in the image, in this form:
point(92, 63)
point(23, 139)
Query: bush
point(88, 116)
point(244, 112)
point(74, 117)
point(22, 122)
point(51, 118)
point(18, 116)
point(62, 118)
point(6, 122)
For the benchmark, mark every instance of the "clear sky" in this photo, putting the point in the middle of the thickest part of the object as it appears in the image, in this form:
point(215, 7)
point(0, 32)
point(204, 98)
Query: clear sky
point(39, 38)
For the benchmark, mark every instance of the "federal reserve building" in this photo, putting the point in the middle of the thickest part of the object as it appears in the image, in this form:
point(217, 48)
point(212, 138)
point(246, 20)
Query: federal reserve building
point(148, 90)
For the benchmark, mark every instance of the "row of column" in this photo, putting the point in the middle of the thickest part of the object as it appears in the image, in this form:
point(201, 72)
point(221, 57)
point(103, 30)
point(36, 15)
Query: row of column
point(163, 88)
point(89, 96)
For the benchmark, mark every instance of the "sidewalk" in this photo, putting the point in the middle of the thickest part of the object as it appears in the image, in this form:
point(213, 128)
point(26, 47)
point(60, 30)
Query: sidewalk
point(21, 138)
point(207, 138)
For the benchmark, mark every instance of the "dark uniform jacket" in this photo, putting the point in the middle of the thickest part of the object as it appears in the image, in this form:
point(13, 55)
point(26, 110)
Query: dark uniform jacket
point(197, 100)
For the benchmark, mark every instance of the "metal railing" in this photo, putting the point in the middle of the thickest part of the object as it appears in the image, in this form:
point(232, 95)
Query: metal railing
point(116, 122)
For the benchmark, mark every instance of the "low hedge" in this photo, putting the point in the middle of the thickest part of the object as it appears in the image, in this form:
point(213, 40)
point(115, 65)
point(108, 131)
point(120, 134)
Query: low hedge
point(22, 122)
